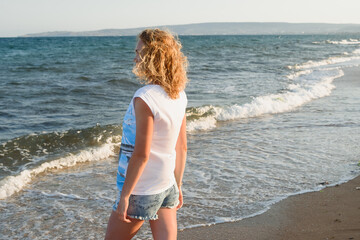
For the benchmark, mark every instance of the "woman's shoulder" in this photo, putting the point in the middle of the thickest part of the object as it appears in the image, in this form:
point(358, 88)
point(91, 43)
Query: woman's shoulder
point(149, 88)
point(156, 91)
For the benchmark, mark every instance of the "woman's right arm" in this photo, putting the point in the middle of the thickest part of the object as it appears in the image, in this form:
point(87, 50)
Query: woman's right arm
point(181, 151)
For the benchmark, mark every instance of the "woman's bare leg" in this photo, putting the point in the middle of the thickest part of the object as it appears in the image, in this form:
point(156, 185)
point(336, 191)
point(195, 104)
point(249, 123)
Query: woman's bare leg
point(165, 227)
point(120, 230)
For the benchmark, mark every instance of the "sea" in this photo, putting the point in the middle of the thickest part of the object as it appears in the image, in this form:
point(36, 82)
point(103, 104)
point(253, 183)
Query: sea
point(268, 116)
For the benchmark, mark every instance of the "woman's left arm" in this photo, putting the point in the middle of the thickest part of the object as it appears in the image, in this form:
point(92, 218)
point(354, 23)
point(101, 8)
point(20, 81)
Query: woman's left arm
point(181, 150)
point(140, 156)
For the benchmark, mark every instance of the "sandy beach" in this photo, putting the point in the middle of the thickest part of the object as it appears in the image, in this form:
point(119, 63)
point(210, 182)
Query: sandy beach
point(332, 213)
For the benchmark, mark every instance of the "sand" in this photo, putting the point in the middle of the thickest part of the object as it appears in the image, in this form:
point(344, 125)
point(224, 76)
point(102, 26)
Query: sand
point(332, 213)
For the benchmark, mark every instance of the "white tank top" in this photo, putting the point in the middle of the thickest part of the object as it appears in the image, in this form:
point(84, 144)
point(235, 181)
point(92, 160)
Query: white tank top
point(168, 113)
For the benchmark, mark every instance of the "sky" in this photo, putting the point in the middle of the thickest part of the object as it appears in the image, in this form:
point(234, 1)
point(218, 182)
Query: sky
point(19, 17)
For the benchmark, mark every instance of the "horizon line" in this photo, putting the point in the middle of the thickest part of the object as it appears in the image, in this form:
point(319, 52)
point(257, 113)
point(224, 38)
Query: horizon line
point(175, 25)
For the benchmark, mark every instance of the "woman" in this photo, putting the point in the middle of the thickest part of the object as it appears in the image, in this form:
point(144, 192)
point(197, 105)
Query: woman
point(153, 146)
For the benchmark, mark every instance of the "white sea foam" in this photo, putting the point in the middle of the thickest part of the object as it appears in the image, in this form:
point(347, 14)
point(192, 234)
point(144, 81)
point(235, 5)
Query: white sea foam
point(297, 95)
point(294, 75)
point(201, 124)
point(61, 195)
point(346, 57)
point(283, 102)
point(345, 42)
point(329, 61)
point(357, 51)
point(341, 42)
point(13, 184)
point(204, 122)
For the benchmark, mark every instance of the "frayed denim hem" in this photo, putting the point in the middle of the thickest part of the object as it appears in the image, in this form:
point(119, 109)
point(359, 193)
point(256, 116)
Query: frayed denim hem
point(144, 218)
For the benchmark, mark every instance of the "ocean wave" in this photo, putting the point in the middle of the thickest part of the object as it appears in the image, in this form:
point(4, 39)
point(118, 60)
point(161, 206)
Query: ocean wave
point(296, 95)
point(345, 42)
point(34, 148)
point(341, 42)
point(345, 57)
point(329, 61)
point(295, 75)
point(12, 184)
point(313, 80)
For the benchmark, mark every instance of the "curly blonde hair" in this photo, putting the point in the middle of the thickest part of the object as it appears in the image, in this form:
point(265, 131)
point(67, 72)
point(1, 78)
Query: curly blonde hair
point(162, 61)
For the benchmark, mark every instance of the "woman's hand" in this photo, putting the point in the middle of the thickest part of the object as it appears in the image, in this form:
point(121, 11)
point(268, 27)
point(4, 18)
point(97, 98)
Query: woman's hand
point(122, 209)
point(180, 199)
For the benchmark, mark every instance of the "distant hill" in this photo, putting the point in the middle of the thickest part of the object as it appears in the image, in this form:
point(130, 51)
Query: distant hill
point(221, 28)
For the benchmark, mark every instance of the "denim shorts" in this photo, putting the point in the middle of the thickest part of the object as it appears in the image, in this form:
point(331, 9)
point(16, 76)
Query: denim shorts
point(145, 207)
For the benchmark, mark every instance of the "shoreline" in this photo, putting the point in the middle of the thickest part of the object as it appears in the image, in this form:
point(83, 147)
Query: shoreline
point(331, 213)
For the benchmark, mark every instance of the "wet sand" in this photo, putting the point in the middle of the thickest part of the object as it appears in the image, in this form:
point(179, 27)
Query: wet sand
point(332, 213)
